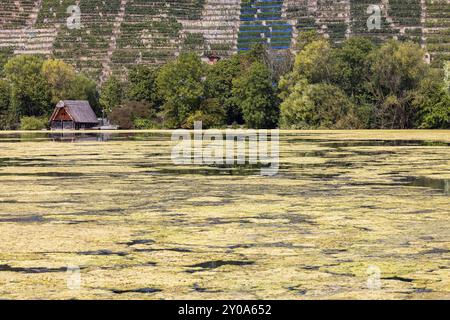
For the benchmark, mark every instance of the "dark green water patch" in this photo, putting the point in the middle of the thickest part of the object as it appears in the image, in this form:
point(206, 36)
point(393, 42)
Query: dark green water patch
point(423, 290)
point(206, 172)
point(196, 287)
point(24, 162)
point(103, 253)
point(432, 183)
point(140, 290)
point(396, 278)
point(385, 143)
point(436, 251)
point(295, 218)
point(24, 219)
point(298, 290)
point(182, 250)
point(334, 251)
point(373, 153)
point(217, 264)
point(5, 267)
point(43, 174)
point(137, 241)
point(217, 221)
point(311, 267)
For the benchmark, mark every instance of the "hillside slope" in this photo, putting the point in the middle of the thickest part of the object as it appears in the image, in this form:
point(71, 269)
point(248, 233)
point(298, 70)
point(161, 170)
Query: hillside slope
point(115, 34)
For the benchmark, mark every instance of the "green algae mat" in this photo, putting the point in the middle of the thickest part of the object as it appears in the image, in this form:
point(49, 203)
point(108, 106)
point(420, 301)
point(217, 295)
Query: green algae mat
point(350, 214)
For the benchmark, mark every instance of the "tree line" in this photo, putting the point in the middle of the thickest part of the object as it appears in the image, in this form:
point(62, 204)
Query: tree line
point(357, 85)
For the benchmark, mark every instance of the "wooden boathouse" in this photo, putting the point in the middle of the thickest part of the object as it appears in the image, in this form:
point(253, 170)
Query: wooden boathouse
point(73, 115)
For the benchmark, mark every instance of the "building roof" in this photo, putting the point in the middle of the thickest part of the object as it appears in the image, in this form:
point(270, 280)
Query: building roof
point(80, 111)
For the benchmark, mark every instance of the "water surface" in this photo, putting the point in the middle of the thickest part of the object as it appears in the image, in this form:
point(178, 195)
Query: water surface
point(138, 226)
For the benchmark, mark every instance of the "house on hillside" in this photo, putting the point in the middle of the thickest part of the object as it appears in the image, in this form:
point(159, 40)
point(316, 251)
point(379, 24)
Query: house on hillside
point(73, 115)
point(211, 59)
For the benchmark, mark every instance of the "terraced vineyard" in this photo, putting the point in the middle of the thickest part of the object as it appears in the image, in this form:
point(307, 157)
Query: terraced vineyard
point(118, 33)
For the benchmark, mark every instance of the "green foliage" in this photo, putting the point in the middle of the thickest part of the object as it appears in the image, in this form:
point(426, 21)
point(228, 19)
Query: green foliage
point(315, 63)
point(397, 70)
point(5, 102)
point(355, 85)
point(180, 85)
point(111, 94)
point(126, 116)
point(210, 113)
point(30, 92)
point(255, 93)
point(59, 77)
point(33, 123)
point(146, 124)
point(142, 85)
point(432, 100)
point(447, 76)
point(83, 88)
point(219, 85)
point(65, 84)
point(36, 85)
point(378, 87)
point(352, 63)
point(305, 38)
point(5, 55)
point(318, 106)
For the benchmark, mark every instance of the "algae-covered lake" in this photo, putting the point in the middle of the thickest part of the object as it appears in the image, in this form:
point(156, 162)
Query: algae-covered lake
point(351, 214)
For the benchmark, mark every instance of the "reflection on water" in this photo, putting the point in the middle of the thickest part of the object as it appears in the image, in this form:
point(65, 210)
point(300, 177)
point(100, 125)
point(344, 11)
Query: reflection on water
point(82, 136)
point(437, 184)
point(75, 137)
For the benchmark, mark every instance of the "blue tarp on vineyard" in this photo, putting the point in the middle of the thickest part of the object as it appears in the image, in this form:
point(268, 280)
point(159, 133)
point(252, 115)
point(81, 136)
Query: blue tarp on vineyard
point(262, 23)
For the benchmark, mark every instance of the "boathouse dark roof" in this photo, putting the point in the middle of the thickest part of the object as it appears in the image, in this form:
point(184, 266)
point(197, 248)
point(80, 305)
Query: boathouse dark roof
point(80, 111)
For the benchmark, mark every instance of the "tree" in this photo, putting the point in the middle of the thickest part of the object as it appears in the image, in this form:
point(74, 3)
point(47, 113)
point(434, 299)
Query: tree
point(59, 77)
point(315, 62)
point(396, 70)
point(432, 100)
point(5, 101)
point(83, 88)
point(255, 94)
point(65, 84)
point(33, 123)
point(447, 76)
point(210, 113)
point(142, 85)
point(125, 115)
point(180, 85)
point(352, 61)
point(5, 54)
point(219, 85)
point(305, 38)
point(111, 94)
point(318, 106)
point(30, 94)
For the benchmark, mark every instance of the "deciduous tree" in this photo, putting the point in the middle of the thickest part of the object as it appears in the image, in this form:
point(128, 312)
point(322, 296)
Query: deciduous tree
point(180, 85)
point(256, 96)
point(111, 94)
